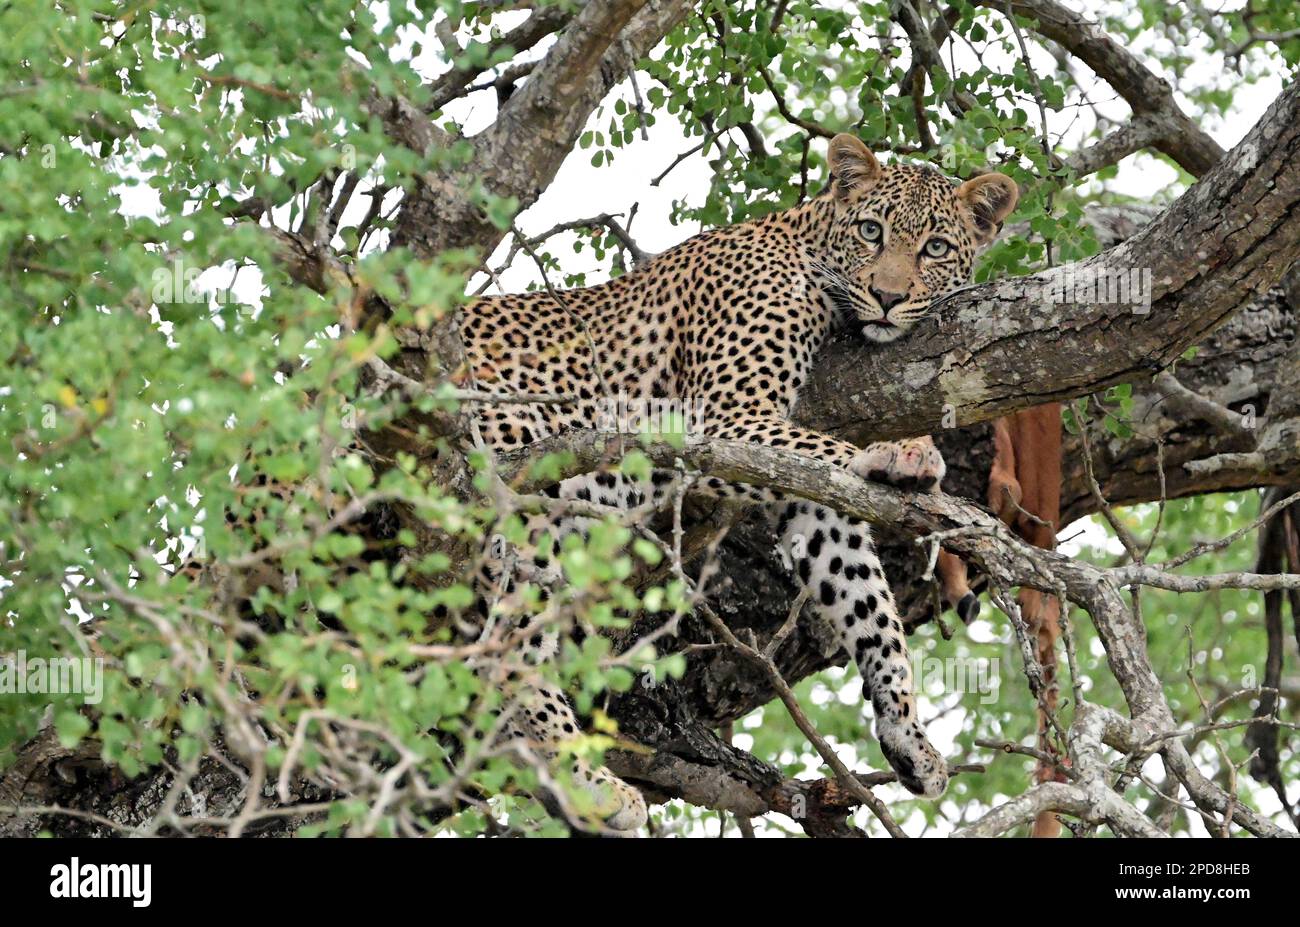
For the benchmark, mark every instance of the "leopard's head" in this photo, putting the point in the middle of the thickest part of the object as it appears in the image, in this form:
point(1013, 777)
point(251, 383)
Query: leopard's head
point(903, 235)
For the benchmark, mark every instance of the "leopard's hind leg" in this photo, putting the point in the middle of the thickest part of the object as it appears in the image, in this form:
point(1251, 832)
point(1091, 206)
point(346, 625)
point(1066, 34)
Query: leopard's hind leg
point(541, 713)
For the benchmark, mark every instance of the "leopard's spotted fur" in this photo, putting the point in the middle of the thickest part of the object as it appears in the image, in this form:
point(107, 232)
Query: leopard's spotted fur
point(732, 320)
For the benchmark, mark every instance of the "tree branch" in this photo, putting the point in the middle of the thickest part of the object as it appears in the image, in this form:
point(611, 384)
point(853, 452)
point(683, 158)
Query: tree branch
point(1146, 93)
point(536, 27)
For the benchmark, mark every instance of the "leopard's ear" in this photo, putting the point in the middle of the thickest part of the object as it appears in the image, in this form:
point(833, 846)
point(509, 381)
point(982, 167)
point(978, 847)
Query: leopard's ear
point(989, 198)
point(853, 165)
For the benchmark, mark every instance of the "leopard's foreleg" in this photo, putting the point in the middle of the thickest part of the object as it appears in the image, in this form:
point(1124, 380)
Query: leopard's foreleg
point(834, 559)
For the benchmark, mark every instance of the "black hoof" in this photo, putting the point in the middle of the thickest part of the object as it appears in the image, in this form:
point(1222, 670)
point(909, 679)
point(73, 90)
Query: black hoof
point(968, 608)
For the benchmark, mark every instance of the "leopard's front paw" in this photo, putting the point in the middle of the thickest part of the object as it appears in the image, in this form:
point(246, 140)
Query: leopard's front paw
point(911, 465)
point(920, 767)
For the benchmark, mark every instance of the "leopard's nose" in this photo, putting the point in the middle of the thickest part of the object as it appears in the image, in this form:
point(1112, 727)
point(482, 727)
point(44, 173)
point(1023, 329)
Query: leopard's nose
point(886, 299)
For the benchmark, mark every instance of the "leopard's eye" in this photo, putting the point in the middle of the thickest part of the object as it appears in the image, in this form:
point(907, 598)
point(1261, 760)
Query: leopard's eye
point(871, 231)
point(937, 248)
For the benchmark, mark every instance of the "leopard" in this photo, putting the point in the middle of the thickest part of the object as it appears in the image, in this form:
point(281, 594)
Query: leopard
point(732, 320)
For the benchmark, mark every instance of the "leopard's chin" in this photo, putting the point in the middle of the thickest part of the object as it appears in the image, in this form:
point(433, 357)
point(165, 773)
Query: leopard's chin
point(881, 331)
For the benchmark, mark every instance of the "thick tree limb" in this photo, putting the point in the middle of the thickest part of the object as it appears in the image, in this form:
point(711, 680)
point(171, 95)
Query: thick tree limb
point(1245, 368)
point(1088, 796)
point(746, 787)
point(306, 263)
point(521, 152)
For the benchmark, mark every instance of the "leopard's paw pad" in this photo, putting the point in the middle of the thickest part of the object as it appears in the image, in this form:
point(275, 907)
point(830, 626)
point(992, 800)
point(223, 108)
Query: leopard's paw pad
point(912, 466)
